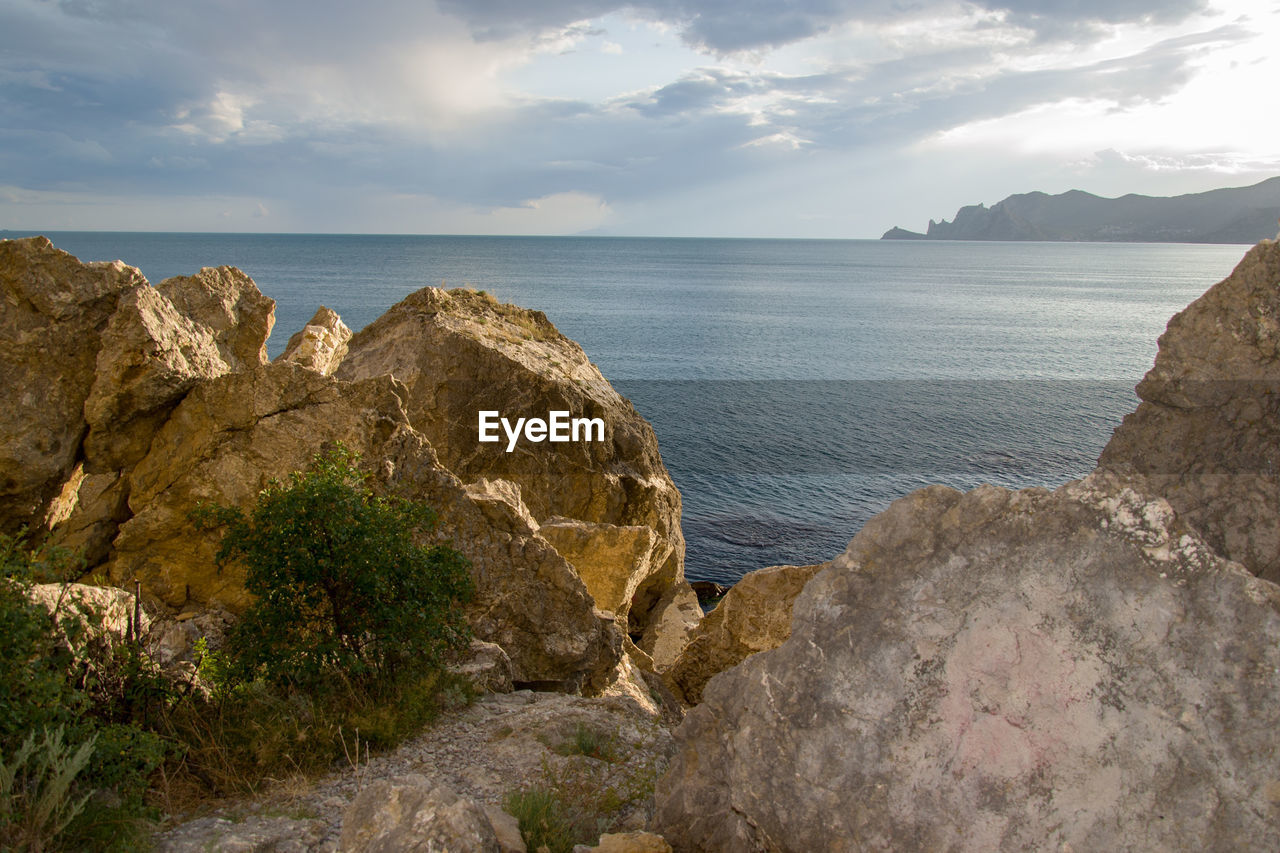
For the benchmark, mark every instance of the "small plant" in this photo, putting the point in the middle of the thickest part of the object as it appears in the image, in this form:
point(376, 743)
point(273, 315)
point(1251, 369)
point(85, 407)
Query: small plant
point(343, 592)
point(37, 797)
point(589, 742)
point(545, 820)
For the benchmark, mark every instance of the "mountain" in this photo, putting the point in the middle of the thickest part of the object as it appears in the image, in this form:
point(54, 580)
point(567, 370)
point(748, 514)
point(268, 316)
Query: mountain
point(1231, 215)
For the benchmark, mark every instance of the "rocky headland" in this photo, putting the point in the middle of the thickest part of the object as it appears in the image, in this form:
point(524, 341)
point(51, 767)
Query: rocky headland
point(1091, 667)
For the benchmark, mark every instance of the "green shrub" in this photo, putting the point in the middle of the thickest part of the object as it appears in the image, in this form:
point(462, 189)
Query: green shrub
point(342, 589)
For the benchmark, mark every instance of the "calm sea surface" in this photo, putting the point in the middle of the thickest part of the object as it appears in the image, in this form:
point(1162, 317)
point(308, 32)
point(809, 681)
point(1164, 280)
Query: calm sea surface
point(796, 387)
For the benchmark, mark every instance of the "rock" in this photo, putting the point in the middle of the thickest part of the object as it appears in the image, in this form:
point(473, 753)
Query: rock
point(407, 813)
point(320, 345)
point(149, 357)
point(249, 835)
point(999, 671)
point(233, 434)
point(460, 352)
point(86, 515)
point(754, 616)
point(597, 551)
point(627, 842)
point(487, 666)
point(226, 301)
point(100, 609)
point(55, 309)
point(675, 617)
point(1207, 432)
point(507, 830)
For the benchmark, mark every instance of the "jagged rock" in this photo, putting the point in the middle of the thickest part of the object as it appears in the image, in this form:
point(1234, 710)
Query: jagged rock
point(487, 666)
point(407, 814)
point(321, 344)
point(86, 515)
point(675, 617)
point(460, 352)
point(1207, 434)
point(149, 357)
point(54, 310)
point(231, 435)
point(597, 551)
point(227, 301)
point(754, 616)
point(999, 671)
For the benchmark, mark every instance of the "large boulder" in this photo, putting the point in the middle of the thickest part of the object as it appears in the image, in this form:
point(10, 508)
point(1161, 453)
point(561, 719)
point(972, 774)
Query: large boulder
point(226, 301)
point(460, 352)
point(999, 671)
point(1207, 433)
point(408, 814)
point(55, 310)
point(754, 616)
point(231, 435)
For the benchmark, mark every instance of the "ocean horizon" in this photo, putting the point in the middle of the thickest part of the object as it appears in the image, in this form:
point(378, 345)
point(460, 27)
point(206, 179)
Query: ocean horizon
point(796, 386)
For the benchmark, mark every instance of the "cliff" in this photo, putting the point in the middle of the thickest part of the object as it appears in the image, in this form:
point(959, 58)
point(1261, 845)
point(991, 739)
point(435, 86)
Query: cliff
point(1231, 215)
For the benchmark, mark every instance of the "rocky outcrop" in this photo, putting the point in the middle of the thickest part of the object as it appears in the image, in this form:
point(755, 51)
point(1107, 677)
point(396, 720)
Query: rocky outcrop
point(226, 301)
point(231, 435)
point(675, 616)
point(321, 345)
point(55, 309)
point(999, 670)
point(460, 352)
point(1207, 433)
point(754, 616)
point(407, 814)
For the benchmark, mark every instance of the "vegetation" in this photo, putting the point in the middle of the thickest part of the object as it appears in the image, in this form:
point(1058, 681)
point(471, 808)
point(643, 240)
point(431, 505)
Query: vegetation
point(342, 652)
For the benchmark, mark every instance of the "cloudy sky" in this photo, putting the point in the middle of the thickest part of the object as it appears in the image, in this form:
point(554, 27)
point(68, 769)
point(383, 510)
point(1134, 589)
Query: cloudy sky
point(789, 118)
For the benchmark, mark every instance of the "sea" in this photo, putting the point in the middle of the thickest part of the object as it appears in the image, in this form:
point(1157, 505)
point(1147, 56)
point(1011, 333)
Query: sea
point(796, 387)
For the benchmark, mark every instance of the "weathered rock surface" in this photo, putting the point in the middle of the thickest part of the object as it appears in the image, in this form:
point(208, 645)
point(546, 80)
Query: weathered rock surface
point(600, 552)
point(54, 309)
point(754, 616)
point(407, 814)
point(99, 609)
point(149, 357)
point(999, 671)
point(1207, 434)
point(487, 666)
point(321, 344)
point(231, 435)
point(627, 842)
point(460, 352)
point(675, 617)
point(227, 301)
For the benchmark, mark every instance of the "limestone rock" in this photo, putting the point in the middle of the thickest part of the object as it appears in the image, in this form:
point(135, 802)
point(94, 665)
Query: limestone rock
point(675, 617)
point(754, 616)
point(1207, 434)
point(321, 344)
point(227, 301)
point(460, 352)
point(253, 834)
point(54, 309)
point(407, 814)
point(149, 357)
point(101, 609)
point(507, 830)
point(599, 552)
point(999, 671)
point(487, 666)
point(231, 435)
point(627, 842)
point(86, 515)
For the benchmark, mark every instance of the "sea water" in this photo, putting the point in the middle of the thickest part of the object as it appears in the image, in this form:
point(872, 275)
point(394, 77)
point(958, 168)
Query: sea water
point(796, 386)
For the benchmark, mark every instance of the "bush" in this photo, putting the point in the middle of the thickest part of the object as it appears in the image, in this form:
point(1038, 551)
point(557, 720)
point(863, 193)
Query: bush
point(73, 766)
point(342, 589)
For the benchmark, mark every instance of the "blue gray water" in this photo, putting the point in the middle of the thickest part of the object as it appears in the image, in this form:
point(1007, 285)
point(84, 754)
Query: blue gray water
point(796, 387)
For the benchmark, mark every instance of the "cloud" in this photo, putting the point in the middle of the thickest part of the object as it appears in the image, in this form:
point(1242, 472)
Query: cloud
point(725, 26)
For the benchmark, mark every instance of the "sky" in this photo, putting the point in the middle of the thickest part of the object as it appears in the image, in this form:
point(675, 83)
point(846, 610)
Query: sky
point(700, 118)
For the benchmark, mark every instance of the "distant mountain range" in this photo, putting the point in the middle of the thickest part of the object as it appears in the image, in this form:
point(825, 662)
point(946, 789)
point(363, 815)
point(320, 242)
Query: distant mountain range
point(1233, 215)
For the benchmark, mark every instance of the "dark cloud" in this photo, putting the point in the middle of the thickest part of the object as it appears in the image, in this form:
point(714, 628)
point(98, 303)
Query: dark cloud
point(732, 25)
